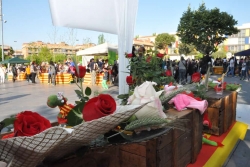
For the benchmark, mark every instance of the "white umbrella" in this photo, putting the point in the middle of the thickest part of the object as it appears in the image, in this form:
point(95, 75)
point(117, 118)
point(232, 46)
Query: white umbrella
point(110, 16)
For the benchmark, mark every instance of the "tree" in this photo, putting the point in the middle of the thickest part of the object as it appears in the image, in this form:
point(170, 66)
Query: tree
point(186, 49)
point(45, 54)
point(59, 57)
point(101, 39)
point(205, 28)
point(221, 53)
point(163, 40)
point(6, 57)
point(11, 51)
point(35, 58)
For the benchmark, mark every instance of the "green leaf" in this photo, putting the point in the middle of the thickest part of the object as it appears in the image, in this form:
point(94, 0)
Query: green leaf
point(88, 91)
point(75, 115)
point(123, 96)
point(77, 102)
point(6, 122)
point(78, 93)
point(85, 98)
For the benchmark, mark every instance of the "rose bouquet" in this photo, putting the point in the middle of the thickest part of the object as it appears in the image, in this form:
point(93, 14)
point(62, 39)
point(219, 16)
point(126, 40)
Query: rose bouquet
point(26, 123)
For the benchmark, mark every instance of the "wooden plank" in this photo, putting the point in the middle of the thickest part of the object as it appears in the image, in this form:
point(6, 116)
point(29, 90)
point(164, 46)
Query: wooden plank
point(164, 156)
point(184, 143)
point(196, 135)
point(151, 155)
point(134, 149)
point(234, 99)
point(131, 160)
point(211, 94)
point(184, 160)
point(214, 115)
point(164, 140)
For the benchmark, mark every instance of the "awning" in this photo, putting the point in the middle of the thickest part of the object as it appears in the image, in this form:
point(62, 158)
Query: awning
point(101, 49)
point(243, 53)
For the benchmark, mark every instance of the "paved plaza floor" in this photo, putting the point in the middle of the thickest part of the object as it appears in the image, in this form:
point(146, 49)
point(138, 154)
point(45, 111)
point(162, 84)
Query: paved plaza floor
point(22, 95)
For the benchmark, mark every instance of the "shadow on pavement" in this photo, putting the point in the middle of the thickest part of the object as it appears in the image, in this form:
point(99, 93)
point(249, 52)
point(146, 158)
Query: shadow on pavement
point(13, 97)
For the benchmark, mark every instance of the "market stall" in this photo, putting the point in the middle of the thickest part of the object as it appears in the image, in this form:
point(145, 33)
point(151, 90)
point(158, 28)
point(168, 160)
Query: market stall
point(61, 78)
point(100, 50)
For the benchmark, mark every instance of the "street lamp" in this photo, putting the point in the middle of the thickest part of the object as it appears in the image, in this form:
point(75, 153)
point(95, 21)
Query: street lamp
point(2, 21)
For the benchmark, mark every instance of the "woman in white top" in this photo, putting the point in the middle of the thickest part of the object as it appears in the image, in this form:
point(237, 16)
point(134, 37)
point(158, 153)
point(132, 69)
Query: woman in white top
point(2, 74)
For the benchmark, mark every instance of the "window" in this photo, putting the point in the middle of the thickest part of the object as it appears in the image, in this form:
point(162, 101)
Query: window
point(242, 33)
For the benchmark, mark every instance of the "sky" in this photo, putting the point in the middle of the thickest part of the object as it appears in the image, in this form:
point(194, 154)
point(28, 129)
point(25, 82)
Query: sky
point(30, 20)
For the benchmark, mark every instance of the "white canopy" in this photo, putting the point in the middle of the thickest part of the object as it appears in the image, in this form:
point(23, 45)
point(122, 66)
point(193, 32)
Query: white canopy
point(111, 16)
point(98, 50)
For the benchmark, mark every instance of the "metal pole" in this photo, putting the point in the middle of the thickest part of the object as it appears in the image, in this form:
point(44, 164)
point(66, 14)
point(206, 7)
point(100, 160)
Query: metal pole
point(2, 30)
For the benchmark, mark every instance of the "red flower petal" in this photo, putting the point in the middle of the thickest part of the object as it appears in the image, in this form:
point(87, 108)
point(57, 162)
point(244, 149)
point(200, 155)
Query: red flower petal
point(29, 123)
point(129, 80)
point(8, 136)
point(98, 107)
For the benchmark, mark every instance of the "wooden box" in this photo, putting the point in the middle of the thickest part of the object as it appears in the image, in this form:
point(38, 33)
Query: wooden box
point(218, 69)
point(221, 111)
point(174, 148)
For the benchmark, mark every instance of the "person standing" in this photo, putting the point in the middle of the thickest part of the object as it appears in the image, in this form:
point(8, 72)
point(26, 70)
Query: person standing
point(14, 72)
point(231, 67)
point(105, 78)
point(247, 67)
point(28, 74)
point(243, 70)
point(52, 70)
point(92, 66)
point(182, 71)
point(2, 74)
point(33, 72)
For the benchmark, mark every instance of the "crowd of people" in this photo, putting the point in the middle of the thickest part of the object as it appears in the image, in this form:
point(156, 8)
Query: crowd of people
point(110, 72)
point(33, 70)
point(181, 70)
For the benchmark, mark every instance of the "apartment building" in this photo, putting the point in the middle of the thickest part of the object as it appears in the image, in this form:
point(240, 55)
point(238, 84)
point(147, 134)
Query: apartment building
point(240, 41)
point(7, 50)
point(58, 48)
point(148, 42)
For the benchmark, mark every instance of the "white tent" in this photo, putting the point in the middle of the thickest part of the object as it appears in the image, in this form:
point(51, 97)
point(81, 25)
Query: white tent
point(101, 49)
point(110, 16)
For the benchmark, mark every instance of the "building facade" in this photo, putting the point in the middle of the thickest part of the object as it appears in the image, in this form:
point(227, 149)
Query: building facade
point(149, 41)
point(7, 50)
point(59, 48)
point(240, 41)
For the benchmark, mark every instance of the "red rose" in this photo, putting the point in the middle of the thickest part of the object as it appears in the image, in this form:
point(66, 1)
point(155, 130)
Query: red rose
point(82, 72)
point(30, 123)
point(160, 55)
point(149, 58)
point(218, 88)
point(224, 85)
point(168, 73)
point(129, 80)
point(98, 107)
point(129, 55)
point(196, 77)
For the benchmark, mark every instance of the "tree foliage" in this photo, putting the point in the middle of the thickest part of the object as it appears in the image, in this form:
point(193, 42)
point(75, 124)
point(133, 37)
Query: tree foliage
point(186, 49)
point(163, 40)
point(45, 54)
point(221, 53)
point(205, 28)
point(101, 39)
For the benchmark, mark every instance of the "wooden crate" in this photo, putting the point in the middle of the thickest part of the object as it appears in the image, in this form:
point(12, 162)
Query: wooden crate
point(221, 111)
point(174, 148)
point(218, 69)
